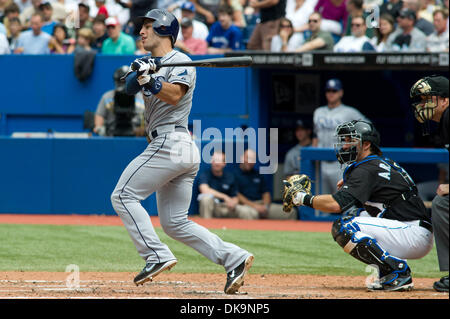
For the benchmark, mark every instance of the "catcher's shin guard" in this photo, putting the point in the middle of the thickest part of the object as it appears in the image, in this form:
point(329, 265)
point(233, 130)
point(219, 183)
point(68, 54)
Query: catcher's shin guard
point(365, 249)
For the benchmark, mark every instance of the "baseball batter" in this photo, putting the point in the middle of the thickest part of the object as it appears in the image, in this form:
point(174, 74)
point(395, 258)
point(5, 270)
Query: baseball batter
point(170, 162)
point(394, 225)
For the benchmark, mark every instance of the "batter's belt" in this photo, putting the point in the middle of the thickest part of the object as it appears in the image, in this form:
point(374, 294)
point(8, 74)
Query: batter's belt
point(164, 130)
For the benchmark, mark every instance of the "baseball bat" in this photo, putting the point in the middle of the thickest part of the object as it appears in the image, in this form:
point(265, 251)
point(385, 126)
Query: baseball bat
point(230, 62)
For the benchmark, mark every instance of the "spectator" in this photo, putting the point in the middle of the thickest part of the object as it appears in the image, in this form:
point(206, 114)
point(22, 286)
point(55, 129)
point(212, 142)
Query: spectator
point(355, 8)
point(108, 121)
point(238, 12)
point(117, 41)
point(407, 37)
point(3, 5)
point(100, 4)
point(189, 44)
point(224, 36)
point(60, 43)
point(85, 37)
point(100, 34)
point(47, 12)
point(84, 16)
point(34, 41)
point(200, 30)
point(298, 11)
point(138, 8)
point(438, 40)
point(26, 14)
point(15, 27)
point(218, 191)
point(4, 45)
point(3, 29)
point(206, 11)
point(387, 25)
point(292, 160)
point(286, 40)
point(270, 13)
point(358, 41)
point(391, 7)
point(11, 11)
point(326, 119)
point(253, 192)
point(421, 23)
point(140, 47)
point(60, 10)
point(334, 15)
point(319, 39)
point(426, 10)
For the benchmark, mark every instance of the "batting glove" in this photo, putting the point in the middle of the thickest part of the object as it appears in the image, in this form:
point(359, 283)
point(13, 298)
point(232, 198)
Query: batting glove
point(145, 66)
point(149, 84)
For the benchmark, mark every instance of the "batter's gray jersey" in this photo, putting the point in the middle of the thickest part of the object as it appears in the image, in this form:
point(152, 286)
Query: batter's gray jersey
point(157, 112)
point(327, 119)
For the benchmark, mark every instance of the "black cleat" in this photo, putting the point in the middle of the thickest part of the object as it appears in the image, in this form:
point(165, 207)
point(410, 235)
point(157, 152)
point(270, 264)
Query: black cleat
point(235, 278)
point(441, 285)
point(393, 282)
point(152, 270)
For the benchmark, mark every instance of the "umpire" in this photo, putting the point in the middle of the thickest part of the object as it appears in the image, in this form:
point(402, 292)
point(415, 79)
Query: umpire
point(430, 101)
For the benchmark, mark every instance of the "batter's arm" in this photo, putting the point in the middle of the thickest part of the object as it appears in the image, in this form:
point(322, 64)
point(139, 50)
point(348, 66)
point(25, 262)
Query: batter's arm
point(132, 86)
point(172, 93)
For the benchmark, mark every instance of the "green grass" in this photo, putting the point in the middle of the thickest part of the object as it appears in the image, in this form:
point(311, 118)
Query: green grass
point(109, 248)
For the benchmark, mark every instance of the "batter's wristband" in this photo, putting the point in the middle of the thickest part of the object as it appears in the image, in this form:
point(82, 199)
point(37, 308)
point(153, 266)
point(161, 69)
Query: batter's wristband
point(154, 85)
point(308, 200)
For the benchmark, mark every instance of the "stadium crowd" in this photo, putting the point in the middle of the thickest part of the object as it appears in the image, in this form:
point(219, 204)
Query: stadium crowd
point(218, 26)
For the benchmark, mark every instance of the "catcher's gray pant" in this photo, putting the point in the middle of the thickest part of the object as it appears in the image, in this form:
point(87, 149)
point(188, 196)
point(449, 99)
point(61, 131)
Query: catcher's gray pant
point(331, 173)
point(168, 167)
point(439, 217)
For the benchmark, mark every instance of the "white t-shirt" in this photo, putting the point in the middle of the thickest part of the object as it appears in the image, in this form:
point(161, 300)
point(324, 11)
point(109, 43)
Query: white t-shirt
point(294, 42)
point(200, 31)
point(351, 44)
point(4, 45)
point(300, 16)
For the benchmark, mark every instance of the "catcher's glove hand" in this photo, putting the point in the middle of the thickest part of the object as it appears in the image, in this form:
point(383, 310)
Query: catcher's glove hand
point(292, 186)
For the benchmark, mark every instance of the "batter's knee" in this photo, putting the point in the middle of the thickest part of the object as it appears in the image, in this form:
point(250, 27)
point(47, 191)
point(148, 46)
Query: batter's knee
point(115, 200)
point(174, 228)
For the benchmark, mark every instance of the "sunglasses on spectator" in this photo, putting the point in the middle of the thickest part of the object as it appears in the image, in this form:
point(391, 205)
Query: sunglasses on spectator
point(313, 21)
point(285, 26)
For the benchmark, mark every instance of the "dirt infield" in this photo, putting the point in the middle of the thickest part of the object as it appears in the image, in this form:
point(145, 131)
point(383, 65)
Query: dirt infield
point(192, 286)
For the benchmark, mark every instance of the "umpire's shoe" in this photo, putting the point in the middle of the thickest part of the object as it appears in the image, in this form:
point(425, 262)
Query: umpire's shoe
point(152, 270)
point(441, 285)
point(394, 282)
point(235, 278)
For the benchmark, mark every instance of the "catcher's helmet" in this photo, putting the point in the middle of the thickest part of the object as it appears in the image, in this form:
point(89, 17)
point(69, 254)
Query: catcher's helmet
point(421, 94)
point(351, 134)
point(118, 73)
point(165, 23)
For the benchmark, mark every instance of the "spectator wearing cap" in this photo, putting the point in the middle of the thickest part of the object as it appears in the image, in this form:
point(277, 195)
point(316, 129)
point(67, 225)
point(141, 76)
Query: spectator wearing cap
point(438, 40)
point(189, 44)
point(117, 42)
point(422, 24)
point(99, 29)
point(47, 13)
point(325, 119)
point(358, 41)
point(292, 159)
point(270, 13)
point(406, 37)
point(34, 41)
point(319, 39)
point(200, 30)
point(224, 36)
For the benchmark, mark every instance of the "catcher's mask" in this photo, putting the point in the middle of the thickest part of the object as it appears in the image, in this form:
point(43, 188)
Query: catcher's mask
point(422, 93)
point(350, 137)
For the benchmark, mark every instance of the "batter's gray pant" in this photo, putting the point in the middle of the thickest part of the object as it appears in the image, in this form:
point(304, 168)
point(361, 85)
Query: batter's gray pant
point(439, 217)
point(161, 169)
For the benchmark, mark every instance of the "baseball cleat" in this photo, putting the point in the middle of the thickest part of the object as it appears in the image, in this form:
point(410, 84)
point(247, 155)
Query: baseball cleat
point(393, 282)
point(235, 278)
point(152, 270)
point(441, 285)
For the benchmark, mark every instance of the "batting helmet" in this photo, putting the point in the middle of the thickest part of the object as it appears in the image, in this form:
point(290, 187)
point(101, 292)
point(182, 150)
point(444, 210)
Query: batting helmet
point(165, 24)
point(350, 134)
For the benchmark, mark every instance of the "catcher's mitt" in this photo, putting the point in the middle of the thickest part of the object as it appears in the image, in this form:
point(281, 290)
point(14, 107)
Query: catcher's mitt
point(293, 185)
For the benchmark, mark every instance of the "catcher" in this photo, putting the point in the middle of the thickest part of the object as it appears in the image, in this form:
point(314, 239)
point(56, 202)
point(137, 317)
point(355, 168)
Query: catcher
point(394, 224)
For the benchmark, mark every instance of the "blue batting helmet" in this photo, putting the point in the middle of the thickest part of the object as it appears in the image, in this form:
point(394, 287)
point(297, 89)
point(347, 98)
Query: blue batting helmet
point(165, 23)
